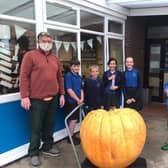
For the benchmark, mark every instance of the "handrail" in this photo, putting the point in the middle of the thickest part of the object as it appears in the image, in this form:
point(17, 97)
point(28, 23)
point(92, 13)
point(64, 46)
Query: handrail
point(69, 134)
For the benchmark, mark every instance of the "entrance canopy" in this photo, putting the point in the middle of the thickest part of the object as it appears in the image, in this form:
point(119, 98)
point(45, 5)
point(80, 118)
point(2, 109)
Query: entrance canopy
point(143, 7)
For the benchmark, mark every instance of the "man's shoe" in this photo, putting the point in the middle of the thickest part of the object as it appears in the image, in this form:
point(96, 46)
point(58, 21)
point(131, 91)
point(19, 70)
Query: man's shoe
point(52, 152)
point(35, 161)
point(75, 140)
point(164, 147)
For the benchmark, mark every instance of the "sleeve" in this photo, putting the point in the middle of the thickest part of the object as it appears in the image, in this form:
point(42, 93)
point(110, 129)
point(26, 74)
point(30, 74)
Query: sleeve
point(166, 86)
point(60, 78)
point(139, 88)
point(68, 82)
point(123, 86)
point(25, 73)
point(85, 89)
point(102, 92)
point(105, 79)
point(119, 79)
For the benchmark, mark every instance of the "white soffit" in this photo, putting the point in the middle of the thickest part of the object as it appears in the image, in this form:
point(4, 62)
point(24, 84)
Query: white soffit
point(143, 7)
point(135, 4)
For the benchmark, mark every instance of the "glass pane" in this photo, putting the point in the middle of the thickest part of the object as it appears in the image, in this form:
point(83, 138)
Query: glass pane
point(18, 8)
point(15, 40)
point(154, 82)
point(60, 13)
point(157, 32)
point(91, 21)
point(92, 52)
point(116, 51)
point(166, 57)
point(154, 66)
point(115, 27)
point(65, 46)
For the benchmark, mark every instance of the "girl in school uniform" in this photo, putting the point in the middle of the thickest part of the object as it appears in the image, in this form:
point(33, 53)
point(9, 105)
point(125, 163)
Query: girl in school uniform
point(112, 85)
point(132, 86)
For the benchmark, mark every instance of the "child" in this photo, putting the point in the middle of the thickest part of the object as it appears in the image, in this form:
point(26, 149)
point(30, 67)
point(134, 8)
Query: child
point(93, 90)
point(132, 86)
point(165, 146)
point(74, 96)
point(112, 85)
point(166, 92)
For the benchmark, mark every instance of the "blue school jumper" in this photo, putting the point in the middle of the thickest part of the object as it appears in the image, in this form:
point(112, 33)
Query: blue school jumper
point(74, 82)
point(112, 97)
point(93, 93)
point(132, 88)
point(165, 90)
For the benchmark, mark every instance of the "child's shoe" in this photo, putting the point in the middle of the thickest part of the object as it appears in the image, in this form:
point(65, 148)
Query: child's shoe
point(165, 147)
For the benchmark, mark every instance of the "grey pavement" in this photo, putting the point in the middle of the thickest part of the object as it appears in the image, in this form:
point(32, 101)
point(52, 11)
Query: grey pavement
point(155, 115)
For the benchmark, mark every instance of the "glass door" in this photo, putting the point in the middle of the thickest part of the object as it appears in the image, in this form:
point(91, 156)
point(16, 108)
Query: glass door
point(156, 70)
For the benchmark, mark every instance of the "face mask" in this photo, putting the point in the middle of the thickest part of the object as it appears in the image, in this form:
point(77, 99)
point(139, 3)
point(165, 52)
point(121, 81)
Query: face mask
point(46, 46)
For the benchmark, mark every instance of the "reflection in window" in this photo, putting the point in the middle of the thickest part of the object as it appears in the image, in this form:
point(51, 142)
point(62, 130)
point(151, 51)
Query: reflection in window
point(115, 27)
point(115, 51)
point(91, 21)
point(15, 40)
point(92, 52)
point(23, 8)
point(154, 82)
point(155, 54)
point(65, 46)
point(60, 13)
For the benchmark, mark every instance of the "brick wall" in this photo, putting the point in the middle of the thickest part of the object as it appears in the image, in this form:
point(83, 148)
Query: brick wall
point(135, 35)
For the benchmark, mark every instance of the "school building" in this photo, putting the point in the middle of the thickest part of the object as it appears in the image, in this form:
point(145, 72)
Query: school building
point(91, 30)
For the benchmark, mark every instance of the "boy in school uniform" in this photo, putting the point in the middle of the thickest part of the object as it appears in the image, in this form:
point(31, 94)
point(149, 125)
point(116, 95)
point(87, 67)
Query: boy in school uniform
point(74, 96)
point(93, 90)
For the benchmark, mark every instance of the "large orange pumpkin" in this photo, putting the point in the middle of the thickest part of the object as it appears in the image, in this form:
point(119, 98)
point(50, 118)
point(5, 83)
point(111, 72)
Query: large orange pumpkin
point(113, 139)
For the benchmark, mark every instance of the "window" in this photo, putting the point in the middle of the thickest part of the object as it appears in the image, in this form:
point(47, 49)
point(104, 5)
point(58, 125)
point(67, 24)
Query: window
point(18, 8)
point(92, 52)
point(91, 21)
point(15, 40)
point(59, 13)
point(65, 46)
point(115, 51)
point(115, 27)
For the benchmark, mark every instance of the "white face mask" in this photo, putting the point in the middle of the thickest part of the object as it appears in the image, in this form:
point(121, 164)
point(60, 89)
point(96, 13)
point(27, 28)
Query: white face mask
point(46, 46)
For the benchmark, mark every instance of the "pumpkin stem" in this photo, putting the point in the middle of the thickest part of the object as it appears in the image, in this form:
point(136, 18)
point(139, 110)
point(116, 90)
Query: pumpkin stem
point(112, 108)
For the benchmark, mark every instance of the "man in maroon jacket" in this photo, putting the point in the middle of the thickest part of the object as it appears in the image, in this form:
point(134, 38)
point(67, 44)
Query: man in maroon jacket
point(41, 84)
